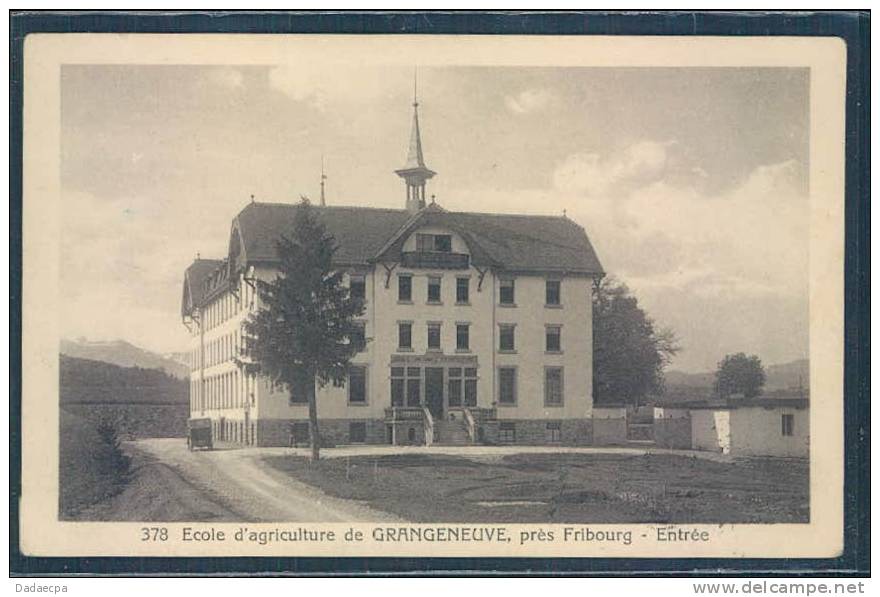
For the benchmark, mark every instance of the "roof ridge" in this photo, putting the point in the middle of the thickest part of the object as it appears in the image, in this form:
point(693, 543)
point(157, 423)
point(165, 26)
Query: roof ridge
point(506, 215)
point(320, 207)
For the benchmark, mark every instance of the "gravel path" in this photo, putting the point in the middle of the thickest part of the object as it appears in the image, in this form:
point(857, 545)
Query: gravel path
point(244, 484)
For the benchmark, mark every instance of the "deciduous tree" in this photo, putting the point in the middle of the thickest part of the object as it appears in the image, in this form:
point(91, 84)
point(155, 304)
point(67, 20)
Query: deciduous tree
point(740, 374)
point(629, 352)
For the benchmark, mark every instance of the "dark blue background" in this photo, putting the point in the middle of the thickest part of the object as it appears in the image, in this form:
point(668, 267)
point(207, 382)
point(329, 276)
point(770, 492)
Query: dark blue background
point(853, 27)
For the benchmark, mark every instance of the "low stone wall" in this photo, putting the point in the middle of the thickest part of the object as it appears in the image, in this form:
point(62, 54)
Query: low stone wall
point(673, 433)
point(609, 426)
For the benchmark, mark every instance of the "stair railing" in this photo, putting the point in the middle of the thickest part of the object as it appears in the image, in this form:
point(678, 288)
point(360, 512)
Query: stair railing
point(471, 425)
point(429, 426)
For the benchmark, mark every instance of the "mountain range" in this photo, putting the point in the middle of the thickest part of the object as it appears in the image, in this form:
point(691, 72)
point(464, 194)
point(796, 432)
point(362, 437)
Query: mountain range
point(124, 354)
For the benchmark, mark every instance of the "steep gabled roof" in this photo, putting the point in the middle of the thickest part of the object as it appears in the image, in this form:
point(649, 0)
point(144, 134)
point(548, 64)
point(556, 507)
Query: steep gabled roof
point(510, 242)
point(359, 231)
point(194, 283)
point(515, 243)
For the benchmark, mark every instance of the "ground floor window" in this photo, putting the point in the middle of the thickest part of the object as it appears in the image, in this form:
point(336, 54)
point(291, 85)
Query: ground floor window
point(357, 385)
point(788, 425)
point(507, 432)
point(357, 433)
point(462, 386)
point(406, 386)
point(554, 432)
point(553, 384)
point(413, 386)
point(507, 385)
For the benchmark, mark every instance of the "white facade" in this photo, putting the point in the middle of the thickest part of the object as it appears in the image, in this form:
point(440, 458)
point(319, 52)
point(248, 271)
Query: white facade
point(235, 401)
point(753, 430)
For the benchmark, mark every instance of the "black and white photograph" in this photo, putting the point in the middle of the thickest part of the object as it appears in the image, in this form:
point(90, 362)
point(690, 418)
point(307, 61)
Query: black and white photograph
point(454, 293)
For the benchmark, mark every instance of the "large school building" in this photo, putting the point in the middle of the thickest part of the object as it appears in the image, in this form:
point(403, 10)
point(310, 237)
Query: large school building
point(477, 327)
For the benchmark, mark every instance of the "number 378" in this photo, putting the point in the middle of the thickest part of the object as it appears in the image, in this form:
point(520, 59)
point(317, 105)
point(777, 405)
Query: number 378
point(154, 534)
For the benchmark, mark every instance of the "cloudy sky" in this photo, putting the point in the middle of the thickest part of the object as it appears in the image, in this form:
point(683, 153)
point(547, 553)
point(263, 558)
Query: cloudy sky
point(691, 183)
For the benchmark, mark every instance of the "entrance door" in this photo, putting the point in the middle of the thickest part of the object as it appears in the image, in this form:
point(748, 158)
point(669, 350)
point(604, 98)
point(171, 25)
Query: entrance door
point(434, 391)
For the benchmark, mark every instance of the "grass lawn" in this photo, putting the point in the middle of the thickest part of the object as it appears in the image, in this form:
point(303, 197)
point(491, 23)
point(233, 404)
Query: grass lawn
point(564, 488)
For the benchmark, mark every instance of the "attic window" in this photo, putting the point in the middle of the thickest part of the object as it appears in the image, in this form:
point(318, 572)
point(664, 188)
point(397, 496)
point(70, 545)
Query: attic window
point(439, 243)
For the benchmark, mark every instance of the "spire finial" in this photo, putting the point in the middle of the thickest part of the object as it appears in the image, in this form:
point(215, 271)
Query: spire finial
point(323, 178)
point(414, 172)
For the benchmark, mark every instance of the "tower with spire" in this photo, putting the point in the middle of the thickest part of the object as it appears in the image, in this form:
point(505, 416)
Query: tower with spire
point(414, 173)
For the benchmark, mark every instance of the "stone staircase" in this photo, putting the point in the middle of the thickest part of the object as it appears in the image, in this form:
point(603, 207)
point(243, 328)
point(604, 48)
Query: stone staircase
point(451, 433)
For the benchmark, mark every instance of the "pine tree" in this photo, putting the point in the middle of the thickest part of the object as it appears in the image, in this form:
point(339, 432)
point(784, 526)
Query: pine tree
point(305, 331)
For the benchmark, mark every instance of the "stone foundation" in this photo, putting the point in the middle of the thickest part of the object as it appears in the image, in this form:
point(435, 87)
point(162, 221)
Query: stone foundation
point(333, 432)
point(535, 432)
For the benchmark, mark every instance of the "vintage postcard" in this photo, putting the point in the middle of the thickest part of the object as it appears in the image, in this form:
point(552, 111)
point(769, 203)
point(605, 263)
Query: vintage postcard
point(480, 296)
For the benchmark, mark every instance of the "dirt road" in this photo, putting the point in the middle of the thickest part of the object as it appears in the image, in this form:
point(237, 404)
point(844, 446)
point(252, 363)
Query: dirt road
point(236, 484)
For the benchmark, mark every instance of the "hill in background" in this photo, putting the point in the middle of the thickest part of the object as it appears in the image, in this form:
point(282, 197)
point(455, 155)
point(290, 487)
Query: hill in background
point(86, 381)
point(124, 354)
point(783, 381)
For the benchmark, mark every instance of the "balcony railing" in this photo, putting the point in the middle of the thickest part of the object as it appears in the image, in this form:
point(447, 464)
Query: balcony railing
point(435, 260)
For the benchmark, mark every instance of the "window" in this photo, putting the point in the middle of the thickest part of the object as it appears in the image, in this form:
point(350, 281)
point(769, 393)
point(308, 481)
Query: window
point(455, 394)
point(357, 433)
point(788, 425)
point(507, 295)
point(462, 290)
point(434, 289)
point(507, 341)
point(404, 336)
point(357, 385)
point(553, 292)
point(299, 394)
point(554, 432)
point(553, 386)
point(462, 336)
point(358, 286)
point(507, 432)
point(470, 386)
point(413, 386)
point(398, 386)
point(424, 242)
point(462, 386)
point(433, 336)
point(507, 385)
point(359, 337)
point(553, 338)
point(404, 289)
point(441, 243)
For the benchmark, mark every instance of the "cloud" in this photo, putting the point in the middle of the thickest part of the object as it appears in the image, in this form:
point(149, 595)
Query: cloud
point(727, 271)
point(595, 175)
point(321, 86)
point(121, 262)
point(529, 100)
